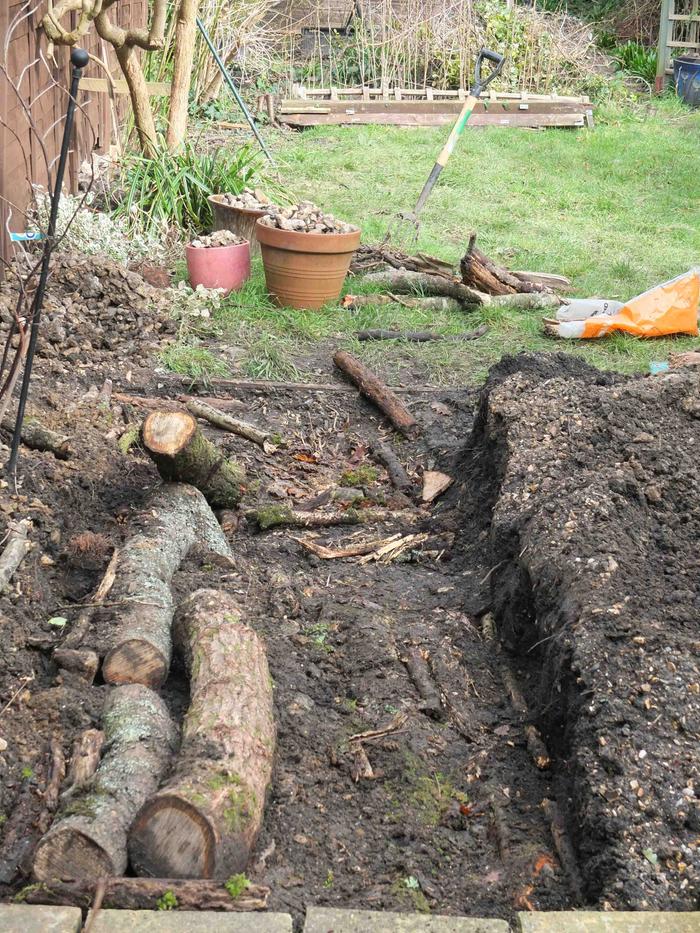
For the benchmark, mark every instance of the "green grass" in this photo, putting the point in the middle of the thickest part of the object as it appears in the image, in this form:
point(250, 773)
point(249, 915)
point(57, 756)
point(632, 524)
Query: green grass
point(616, 209)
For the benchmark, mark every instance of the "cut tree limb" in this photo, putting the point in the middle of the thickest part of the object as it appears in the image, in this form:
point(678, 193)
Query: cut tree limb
point(419, 336)
point(204, 822)
point(16, 549)
point(183, 454)
point(35, 436)
point(272, 516)
point(482, 273)
point(420, 283)
point(429, 303)
point(176, 518)
point(88, 841)
point(371, 386)
point(384, 453)
point(268, 441)
point(417, 666)
point(144, 894)
point(530, 301)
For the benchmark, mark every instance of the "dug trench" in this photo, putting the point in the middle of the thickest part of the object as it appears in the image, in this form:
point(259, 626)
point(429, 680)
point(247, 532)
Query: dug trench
point(461, 727)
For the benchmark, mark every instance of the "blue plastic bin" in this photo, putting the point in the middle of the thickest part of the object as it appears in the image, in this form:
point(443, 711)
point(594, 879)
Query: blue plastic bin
point(686, 74)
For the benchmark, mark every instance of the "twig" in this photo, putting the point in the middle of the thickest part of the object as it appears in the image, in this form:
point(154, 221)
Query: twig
point(25, 680)
point(219, 419)
point(100, 891)
point(353, 550)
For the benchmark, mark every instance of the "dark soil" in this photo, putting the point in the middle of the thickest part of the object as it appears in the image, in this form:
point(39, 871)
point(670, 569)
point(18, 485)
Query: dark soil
point(451, 819)
point(594, 528)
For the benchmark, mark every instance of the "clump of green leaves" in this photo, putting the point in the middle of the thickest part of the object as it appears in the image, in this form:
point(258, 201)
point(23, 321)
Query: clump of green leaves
point(168, 192)
point(27, 773)
point(236, 885)
point(167, 901)
point(637, 60)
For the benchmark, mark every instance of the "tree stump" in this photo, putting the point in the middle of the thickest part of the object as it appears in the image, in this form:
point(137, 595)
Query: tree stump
point(183, 454)
point(204, 822)
point(176, 518)
point(88, 840)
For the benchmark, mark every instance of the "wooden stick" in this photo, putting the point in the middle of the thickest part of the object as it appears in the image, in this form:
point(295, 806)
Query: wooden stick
point(226, 422)
point(16, 550)
point(144, 893)
point(274, 515)
point(353, 550)
point(417, 666)
point(429, 303)
point(204, 821)
point(564, 847)
point(537, 748)
point(35, 436)
point(371, 386)
point(79, 630)
point(385, 454)
point(419, 336)
point(421, 283)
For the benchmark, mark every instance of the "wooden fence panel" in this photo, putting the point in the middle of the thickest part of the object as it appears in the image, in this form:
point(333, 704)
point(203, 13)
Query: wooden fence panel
point(23, 160)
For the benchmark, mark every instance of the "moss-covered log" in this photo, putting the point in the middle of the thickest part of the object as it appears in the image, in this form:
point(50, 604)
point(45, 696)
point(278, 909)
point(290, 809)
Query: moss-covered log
point(88, 839)
point(176, 518)
point(204, 822)
point(183, 454)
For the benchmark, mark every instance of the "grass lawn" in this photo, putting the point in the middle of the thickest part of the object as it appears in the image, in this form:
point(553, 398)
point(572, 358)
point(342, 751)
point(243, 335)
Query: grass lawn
point(617, 209)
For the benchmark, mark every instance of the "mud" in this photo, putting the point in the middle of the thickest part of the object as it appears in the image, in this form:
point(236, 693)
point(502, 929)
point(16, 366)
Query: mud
point(593, 522)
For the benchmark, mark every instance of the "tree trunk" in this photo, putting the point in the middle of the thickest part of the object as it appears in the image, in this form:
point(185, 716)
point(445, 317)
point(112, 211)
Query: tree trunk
point(204, 822)
point(88, 841)
point(144, 893)
point(185, 35)
point(175, 519)
point(127, 56)
point(371, 386)
point(183, 454)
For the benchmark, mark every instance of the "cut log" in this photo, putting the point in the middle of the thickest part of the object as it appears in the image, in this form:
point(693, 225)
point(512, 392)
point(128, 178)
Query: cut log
point(204, 822)
point(144, 894)
point(88, 840)
point(384, 453)
point(85, 757)
point(420, 283)
point(268, 441)
point(176, 518)
point(272, 516)
point(35, 436)
point(183, 454)
point(419, 336)
point(483, 274)
point(371, 386)
point(16, 549)
point(417, 666)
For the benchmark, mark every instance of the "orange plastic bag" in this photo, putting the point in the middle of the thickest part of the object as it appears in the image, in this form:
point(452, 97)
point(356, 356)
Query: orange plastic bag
point(670, 308)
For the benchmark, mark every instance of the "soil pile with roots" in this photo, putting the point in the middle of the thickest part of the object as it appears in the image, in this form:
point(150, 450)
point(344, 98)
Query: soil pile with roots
point(594, 519)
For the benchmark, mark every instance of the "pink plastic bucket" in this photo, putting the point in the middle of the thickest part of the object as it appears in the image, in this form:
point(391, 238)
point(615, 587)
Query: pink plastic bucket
point(226, 267)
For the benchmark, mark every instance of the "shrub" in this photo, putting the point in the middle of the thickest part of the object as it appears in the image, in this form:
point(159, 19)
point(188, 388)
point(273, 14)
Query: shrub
point(637, 60)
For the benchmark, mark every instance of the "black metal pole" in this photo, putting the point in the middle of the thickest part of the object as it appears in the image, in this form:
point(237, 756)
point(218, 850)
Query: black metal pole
point(79, 59)
point(234, 90)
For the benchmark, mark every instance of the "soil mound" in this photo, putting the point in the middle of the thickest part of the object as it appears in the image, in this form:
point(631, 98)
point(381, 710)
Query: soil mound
point(594, 528)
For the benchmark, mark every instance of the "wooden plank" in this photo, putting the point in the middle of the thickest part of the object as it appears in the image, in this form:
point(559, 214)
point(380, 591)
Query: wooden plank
point(102, 86)
point(424, 106)
point(526, 120)
point(431, 93)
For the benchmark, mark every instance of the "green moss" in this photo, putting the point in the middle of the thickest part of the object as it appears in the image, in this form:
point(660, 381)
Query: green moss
point(361, 476)
point(129, 438)
point(270, 515)
point(241, 800)
point(21, 896)
point(167, 901)
point(27, 773)
point(409, 892)
point(236, 885)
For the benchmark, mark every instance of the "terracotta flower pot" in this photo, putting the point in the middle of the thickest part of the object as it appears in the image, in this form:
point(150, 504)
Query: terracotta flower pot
point(226, 267)
point(239, 220)
point(305, 270)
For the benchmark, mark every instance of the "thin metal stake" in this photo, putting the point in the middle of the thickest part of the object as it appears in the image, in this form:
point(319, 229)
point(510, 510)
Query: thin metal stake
point(234, 90)
point(79, 60)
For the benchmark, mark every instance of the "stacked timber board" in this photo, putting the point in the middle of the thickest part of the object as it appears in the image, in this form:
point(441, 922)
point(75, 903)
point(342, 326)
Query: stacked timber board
point(429, 107)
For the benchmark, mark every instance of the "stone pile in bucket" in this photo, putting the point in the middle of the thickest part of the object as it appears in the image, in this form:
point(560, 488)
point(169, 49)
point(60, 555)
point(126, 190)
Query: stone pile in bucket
point(218, 238)
point(248, 199)
point(305, 217)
